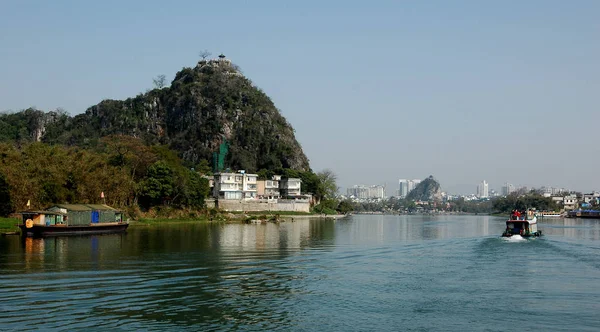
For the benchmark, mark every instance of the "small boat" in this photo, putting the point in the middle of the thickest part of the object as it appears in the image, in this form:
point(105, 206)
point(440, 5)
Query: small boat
point(525, 226)
point(545, 214)
point(73, 219)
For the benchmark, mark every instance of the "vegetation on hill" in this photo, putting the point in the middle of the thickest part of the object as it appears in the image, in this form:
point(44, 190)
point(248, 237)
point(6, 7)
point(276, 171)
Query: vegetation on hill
point(426, 190)
point(152, 150)
point(203, 107)
point(129, 173)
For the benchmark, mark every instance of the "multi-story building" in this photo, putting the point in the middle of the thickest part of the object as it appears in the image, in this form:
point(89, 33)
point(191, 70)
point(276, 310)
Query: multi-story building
point(249, 185)
point(483, 190)
point(377, 192)
point(290, 187)
point(403, 190)
point(412, 184)
point(269, 188)
point(406, 186)
point(508, 189)
point(570, 202)
point(366, 192)
point(235, 185)
point(594, 197)
point(358, 191)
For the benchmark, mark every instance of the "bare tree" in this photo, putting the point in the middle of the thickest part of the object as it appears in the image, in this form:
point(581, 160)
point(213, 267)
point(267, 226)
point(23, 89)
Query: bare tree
point(160, 81)
point(204, 54)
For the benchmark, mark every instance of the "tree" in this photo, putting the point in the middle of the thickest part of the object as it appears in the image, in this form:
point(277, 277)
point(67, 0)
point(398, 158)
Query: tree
point(327, 187)
point(345, 206)
point(160, 81)
point(5, 200)
point(203, 167)
point(159, 185)
point(204, 54)
point(196, 190)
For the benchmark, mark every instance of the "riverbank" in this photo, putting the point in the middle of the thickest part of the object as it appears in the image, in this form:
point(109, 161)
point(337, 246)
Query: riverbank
point(8, 225)
point(229, 217)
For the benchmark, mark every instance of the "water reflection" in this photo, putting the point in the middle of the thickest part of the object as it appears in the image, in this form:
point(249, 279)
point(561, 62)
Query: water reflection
point(384, 270)
point(574, 228)
point(162, 276)
point(385, 228)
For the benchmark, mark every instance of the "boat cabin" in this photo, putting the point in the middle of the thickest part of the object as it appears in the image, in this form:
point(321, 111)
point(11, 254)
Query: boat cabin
point(525, 225)
point(43, 218)
point(73, 215)
point(85, 214)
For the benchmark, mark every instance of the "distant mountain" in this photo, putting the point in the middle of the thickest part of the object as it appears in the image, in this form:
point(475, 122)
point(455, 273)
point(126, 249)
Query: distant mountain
point(427, 190)
point(203, 107)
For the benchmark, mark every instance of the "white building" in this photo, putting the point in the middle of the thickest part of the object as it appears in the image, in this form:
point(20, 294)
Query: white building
point(290, 187)
point(406, 186)
point(508, 189)
point(234, 185)
point(366, 192)
point(570, 202)
point(377, 192)
point(483, 190)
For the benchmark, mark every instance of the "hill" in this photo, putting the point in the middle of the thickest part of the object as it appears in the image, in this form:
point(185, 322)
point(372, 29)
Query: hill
point(427, 190)
point(203, 107)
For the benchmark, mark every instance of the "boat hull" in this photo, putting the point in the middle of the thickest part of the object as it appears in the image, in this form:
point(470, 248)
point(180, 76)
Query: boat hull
point(38, 230)
point(535, 234)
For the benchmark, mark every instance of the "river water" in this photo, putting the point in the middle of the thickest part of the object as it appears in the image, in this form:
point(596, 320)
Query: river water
point(361, 273)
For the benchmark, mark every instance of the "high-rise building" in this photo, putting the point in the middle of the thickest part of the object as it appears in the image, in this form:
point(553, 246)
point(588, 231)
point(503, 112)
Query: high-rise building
point(403, 191)
point(483, 190)
point(406, 186)
point(366, 192)
point(507, 189)
point(412, 184)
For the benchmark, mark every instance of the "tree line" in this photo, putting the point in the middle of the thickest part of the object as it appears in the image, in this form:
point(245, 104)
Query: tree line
point(125, 170)
point(499, 205)
point(130, 174)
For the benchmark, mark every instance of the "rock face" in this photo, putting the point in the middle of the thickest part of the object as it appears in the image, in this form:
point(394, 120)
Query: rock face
point(203, 107)
point(427, 190)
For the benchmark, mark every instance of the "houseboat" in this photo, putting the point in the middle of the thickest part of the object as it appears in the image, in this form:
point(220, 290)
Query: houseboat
point(524, 226)
point(73, 219)
point(592, 214)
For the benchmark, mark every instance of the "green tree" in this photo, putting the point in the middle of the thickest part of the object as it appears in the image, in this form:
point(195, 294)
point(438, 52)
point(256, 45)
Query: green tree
point(327, 187)
point(157, 188)
point(196, 191)
point(5, 199)
point(345, 206)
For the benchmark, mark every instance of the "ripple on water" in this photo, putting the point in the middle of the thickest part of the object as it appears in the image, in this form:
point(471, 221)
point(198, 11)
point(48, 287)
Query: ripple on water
point(399, 275)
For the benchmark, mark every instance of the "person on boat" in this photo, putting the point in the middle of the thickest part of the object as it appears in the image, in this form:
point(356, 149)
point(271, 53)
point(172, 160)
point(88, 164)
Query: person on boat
point(513, 215)
point(517, 214)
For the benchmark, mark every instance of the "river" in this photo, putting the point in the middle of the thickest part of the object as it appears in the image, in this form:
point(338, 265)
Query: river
point(361, 273)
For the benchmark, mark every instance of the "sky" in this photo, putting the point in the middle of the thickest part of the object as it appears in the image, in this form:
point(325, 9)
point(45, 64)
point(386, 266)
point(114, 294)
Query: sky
point(502, 91)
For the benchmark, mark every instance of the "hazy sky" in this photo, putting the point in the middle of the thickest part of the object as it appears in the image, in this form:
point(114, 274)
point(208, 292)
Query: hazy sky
point(376, 90)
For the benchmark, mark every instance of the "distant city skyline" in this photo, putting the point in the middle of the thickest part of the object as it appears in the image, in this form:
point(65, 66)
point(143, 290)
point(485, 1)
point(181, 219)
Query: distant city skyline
point(462, 90)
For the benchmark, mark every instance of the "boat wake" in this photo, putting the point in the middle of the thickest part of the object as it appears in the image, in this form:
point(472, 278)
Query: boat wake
point(514, 238)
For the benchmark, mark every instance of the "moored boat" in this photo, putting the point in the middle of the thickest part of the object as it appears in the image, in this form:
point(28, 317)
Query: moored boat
point(593, 214)
point(73, 219)
point(525, 226)
point(546, 214)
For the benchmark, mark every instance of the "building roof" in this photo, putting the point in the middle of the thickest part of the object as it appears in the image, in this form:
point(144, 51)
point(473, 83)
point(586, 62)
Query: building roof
point(43, 212)
point(85, 207)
